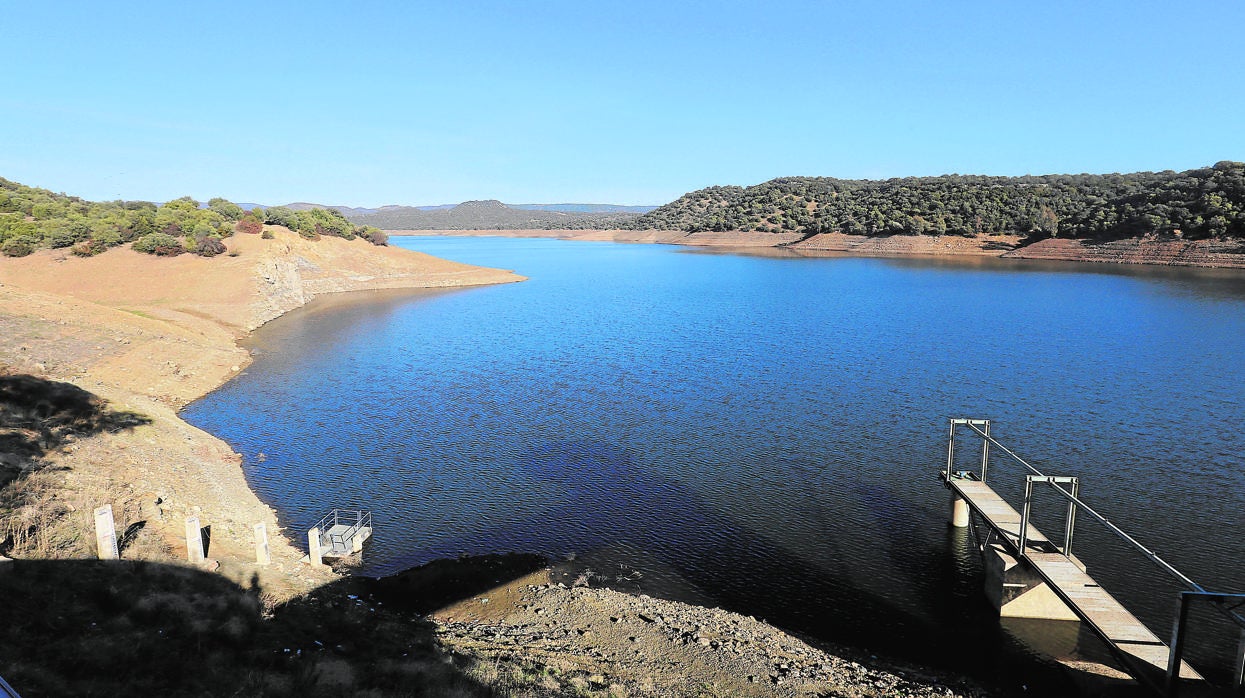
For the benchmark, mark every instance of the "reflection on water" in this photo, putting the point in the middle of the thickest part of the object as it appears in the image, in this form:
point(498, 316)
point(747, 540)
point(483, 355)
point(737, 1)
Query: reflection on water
point(756, 433)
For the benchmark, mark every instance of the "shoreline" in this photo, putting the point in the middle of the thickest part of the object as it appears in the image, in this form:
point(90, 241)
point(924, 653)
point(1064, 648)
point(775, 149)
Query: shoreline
point(152, 345)
point(1205, 254)
point(150, 335)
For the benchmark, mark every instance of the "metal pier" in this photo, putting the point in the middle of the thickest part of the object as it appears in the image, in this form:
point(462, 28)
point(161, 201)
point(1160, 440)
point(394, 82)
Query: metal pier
point(1150, 660)
point(342, 532)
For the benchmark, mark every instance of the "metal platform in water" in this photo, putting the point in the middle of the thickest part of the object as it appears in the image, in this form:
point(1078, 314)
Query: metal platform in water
point(342, 532)
point(1149, 659)
point(1139, 648)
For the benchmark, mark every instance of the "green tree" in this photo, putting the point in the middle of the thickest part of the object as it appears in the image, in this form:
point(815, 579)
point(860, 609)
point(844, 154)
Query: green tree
point(227, 209)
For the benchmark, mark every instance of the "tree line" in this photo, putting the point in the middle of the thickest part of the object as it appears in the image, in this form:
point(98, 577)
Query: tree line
point(1195, 204)
point(32, 218)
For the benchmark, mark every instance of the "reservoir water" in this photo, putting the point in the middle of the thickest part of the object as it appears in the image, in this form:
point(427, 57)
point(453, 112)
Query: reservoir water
point(761, 434)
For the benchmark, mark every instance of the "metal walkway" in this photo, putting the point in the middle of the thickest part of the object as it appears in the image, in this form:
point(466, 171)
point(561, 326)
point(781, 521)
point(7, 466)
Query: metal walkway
point(1150, 660)
point(1138, 648)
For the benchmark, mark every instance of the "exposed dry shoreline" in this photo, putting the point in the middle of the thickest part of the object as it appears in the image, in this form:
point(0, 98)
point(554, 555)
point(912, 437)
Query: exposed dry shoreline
point(1189, 253)
point(150, 335)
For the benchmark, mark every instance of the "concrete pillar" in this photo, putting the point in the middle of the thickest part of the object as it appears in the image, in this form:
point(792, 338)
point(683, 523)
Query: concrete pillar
point(106, 534)
point(1017, 591)
point(959, 511)
point(1238, 671)
point(313, 547)
point(194, 541)
point(263, 554)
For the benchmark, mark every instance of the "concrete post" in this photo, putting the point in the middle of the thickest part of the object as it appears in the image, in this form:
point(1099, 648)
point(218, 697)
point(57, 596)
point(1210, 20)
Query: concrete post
point(106, 534)
point(959, 511)
point(194, 541)
point(1018, 591)
point(263, 554)
point(313, 547)
point(1238, 671)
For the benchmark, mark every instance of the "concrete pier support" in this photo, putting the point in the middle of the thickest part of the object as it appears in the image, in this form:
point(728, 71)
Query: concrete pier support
point(959, 511)
point(313, 548)
point(1017, 590)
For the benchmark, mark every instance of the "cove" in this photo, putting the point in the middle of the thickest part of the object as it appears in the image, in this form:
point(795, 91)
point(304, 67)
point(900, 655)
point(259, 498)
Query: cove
point(758, 433)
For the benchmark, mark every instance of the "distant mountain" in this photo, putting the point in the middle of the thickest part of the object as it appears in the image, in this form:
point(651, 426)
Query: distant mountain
point(584, 208)
point(494, 215)
point(346, 211)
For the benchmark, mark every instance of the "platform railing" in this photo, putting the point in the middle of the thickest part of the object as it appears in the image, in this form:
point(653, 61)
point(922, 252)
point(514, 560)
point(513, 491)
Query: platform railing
point(1226, 603)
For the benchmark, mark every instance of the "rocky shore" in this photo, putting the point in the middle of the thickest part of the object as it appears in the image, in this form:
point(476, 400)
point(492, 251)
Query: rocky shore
point(637, 645)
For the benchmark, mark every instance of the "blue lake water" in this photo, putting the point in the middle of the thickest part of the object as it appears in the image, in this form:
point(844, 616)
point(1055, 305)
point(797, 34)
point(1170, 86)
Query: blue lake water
point(761, 434)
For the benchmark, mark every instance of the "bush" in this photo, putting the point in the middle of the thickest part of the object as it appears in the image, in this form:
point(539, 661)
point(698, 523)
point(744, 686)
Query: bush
point(161, 244)
point(279, 215)
point(89, 248)
point(250, 225)
point(209, 246)
point(376, 236)
point(19, 246)
point(266, 235)
point(103, 239)
point(69, 235)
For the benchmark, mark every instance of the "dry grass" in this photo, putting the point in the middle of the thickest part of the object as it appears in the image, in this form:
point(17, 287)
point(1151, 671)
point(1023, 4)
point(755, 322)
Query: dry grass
point(36, 522)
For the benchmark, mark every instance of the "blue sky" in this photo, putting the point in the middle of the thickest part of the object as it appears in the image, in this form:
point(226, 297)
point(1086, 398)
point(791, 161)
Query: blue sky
point(636, 102)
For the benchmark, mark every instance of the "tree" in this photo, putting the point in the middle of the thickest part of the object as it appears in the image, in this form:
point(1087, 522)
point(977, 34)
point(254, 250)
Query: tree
point(280, 215)
point(227, 209)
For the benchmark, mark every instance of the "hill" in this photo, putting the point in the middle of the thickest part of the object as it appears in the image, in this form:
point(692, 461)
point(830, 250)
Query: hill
point(33, 218)
point(584, 208)
point(1206, 203)
point(494, 215)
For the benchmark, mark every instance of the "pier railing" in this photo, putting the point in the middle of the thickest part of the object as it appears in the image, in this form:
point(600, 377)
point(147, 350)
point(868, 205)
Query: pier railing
point(332, 537)
point(1227, 604)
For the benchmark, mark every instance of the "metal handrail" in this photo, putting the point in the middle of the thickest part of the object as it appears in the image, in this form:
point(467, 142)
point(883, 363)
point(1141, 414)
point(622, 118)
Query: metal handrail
point(363, 519)
point(1150, 554)
point(1176, 648)
point(1218, 600)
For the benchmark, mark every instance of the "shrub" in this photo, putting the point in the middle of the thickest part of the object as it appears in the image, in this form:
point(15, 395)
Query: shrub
point(279, 215)
point(19, 246)
point(250, 225)
point(69, 235)
point(266, 235)
point(161, 244)
point(376, 236)
point(209, 246)
point(108, 237)
point(89, 248)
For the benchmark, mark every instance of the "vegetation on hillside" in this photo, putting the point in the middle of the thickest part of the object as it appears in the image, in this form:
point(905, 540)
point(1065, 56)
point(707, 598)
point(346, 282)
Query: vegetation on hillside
point(491, 215)
point(32, 218)
point(1197, 204)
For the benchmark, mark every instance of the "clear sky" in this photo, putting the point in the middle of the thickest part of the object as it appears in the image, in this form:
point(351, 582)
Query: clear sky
point(634, 102)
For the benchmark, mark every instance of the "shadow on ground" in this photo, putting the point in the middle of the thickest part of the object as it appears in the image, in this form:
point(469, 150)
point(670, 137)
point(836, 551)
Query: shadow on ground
point(95, 628)
point(37, 416)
